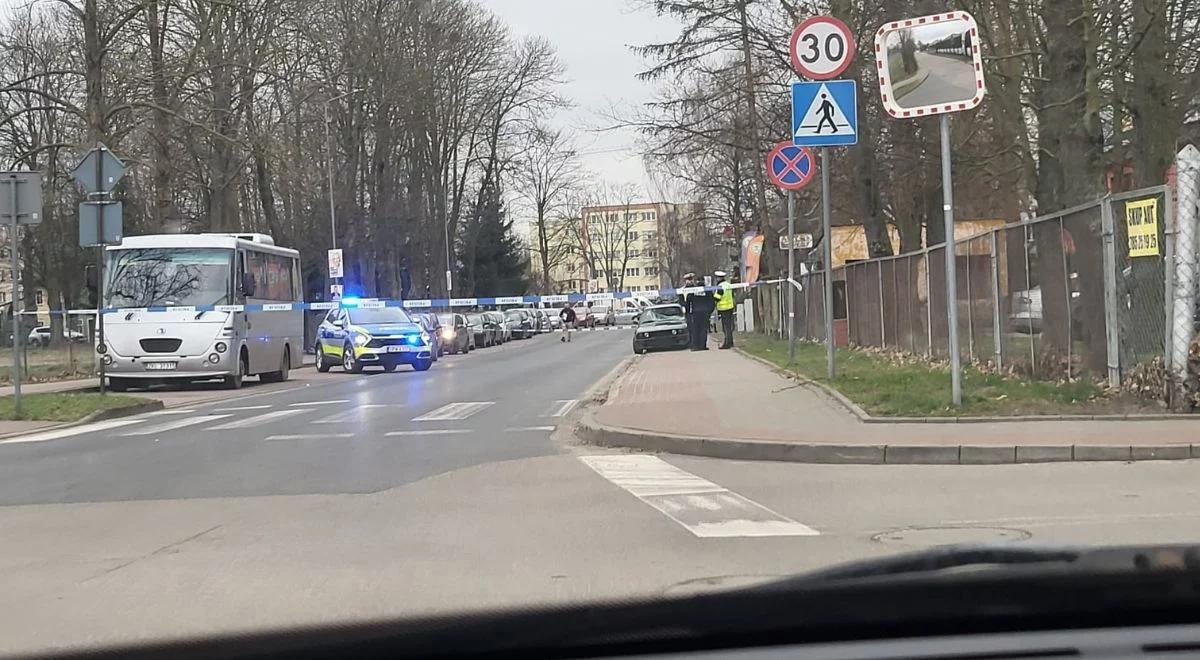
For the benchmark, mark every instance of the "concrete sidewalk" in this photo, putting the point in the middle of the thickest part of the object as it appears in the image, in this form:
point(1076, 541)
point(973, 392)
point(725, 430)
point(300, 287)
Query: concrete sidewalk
point(723, 404)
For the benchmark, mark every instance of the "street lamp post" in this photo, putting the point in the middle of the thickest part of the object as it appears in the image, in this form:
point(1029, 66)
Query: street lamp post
point(329, 166)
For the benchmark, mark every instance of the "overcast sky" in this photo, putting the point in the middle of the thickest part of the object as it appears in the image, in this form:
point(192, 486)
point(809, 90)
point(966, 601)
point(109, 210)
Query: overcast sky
point(593, 38)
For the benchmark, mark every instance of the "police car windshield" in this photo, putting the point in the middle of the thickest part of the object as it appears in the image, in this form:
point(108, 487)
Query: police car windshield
point(360, 316)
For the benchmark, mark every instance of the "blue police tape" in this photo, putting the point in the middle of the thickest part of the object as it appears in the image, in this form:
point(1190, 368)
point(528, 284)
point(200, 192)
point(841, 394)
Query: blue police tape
point(415, 304)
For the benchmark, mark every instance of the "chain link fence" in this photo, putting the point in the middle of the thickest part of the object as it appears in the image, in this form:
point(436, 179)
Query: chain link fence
point(1088, 292)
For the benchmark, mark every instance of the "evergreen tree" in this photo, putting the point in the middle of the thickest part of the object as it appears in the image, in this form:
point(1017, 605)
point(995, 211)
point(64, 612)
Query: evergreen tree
point(497, 265)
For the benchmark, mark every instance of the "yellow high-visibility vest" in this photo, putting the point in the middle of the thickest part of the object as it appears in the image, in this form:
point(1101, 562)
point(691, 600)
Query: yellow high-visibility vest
point(724, 296)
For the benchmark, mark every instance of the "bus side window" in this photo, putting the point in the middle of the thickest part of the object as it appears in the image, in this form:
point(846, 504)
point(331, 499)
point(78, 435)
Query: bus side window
point(239, 277)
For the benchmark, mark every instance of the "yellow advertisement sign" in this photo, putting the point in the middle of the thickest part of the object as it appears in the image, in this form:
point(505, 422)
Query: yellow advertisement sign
point(1141, 217)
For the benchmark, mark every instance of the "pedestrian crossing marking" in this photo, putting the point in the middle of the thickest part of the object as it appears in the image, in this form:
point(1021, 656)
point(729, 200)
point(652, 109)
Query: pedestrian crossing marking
point(306, 404)
point(454, 411)
point(705, 509)
point(241, 408)
point(174, 424)
point(254, 420)
point(561, 408)
point(310, 436)
point(72, 431)
point(393, 434)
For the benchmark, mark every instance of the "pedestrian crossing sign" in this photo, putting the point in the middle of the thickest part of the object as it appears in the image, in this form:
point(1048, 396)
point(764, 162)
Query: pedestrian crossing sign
point(824, 113)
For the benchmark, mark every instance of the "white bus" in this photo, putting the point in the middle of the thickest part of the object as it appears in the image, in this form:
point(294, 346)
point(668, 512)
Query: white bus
point(169, 291)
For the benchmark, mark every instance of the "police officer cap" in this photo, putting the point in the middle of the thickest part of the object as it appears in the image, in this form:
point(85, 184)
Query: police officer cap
point(720, 273)
point(689, 276)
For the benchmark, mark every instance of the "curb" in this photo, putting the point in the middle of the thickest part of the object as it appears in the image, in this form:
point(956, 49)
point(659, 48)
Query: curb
point(150, 405)
point(867, 418)
point(595, 433)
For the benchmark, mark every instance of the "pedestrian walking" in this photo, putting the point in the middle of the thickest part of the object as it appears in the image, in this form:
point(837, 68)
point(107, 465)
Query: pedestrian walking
point(568, 318)
point(702, 305)
point(726, 307)
point(685, 301)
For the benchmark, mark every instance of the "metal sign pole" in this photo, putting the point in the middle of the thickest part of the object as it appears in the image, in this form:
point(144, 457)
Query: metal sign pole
point(951, 266)
point(791, 261)
point(16, 299)
point(100, 269)
point(827, 257)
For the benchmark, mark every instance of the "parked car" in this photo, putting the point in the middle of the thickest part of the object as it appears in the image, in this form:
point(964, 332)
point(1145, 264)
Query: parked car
point(583, 316)
point(503, 328)
point(522, 323)
point(40, 336)
point(429, 323)
point(455, 333)
point(628, 311)
point(603, 312)
point(660, 327)
point(484, 329)
point(553, 320)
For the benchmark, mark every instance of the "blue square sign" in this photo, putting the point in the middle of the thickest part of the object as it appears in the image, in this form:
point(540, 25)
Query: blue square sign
point(824, 113)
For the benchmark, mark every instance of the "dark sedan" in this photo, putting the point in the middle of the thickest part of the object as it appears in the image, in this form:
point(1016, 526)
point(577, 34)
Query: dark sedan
point(522, 323)
point(660, 327)
point(485, 330)
point(456, 335)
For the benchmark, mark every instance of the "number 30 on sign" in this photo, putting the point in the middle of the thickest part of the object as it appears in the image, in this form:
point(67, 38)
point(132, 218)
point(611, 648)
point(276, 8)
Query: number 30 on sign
point(1141, 219)
point(822, 47)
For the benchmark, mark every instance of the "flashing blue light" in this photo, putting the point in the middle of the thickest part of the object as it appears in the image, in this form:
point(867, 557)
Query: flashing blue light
point(413, 339)
point(350, 301)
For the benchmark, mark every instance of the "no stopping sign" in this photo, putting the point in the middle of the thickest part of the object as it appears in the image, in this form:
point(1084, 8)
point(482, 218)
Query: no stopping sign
point(822, 47)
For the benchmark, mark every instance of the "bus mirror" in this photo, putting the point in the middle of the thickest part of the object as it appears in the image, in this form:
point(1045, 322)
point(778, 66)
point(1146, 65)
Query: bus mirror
point(248, 284)
point(89, 277)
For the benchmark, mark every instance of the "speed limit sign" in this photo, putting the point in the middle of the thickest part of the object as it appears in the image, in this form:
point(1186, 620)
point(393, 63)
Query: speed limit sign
point(822, 47)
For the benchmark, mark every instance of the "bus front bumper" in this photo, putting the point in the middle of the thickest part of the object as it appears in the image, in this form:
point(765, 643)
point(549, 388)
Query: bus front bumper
point(173, 367)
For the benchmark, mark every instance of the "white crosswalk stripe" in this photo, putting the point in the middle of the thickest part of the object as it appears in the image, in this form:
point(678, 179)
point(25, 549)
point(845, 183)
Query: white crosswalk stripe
point(352, 414)
point(73, 431)
point(174, 424)
point(561, 407)
point(454, 411)
point(255, 420)
point(705, 509)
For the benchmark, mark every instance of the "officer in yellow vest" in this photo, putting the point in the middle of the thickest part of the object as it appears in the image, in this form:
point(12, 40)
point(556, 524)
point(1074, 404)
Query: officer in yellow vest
point(725, 307)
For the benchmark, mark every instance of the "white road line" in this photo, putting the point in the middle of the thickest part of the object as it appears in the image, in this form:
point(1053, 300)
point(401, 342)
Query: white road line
point(351, 414)
point(454, 411)
point(428, 432)
point(518, 429)
point(241, 408)
point(175, 424)
point(312, 436)
point(160, 413)
point(73, 430)
point(319, 403)
point(561, 407)
point(700, 506)
point(255, 420)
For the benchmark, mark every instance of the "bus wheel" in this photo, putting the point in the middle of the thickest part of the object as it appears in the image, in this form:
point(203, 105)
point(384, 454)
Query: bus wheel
point(284, 365)
point(235, 382)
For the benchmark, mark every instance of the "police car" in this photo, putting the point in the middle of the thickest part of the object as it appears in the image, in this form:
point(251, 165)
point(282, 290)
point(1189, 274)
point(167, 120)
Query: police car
point(356, 337)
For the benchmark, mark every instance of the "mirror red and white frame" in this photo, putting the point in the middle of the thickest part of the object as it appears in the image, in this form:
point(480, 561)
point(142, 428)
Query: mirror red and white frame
point(885, 83)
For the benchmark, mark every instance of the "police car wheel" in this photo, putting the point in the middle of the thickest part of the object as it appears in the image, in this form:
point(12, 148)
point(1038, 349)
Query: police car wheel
point(422, 365)
point(389, 367)
point(322, 361)
point(350, 364)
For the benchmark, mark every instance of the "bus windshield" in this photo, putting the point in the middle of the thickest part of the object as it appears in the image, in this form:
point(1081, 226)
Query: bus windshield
point(168, 276)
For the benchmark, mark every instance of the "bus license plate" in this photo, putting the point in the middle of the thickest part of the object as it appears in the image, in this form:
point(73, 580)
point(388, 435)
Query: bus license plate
point(397, 349)
point(161, 366)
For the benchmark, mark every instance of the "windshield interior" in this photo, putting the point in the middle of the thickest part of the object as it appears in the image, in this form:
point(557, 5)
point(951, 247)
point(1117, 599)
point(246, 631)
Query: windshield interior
point(378, 315)
point(168, 276)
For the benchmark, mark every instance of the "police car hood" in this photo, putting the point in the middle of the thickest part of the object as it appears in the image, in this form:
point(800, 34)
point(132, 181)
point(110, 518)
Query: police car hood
point(389, 329)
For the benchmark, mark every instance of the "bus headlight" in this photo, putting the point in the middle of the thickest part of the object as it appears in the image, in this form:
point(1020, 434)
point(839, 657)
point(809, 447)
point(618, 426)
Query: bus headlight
point(107, 360)
point(221, 347)
point(101, 349)
point(214, 358)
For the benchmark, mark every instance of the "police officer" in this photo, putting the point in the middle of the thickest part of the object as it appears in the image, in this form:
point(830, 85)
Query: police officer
point(701, 305)
point(725, 307)
point(685, 301)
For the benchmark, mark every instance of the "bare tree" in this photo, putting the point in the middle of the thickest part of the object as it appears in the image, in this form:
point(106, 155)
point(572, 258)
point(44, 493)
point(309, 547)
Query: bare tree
point(544, 174)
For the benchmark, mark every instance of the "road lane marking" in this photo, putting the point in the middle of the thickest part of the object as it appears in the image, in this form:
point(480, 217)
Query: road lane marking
point(319, 403)
point(175, 424)
point(241, 408)
point(74, 430)
point(160, 413)
point(310, 436)
point(518, 429)
point(428, 432)
point(351, 414)
point(454, 411)
point(255, 420)
point(705, 509)
point(561, 407)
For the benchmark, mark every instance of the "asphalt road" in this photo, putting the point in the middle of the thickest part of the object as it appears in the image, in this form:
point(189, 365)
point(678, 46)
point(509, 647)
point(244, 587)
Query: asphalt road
point(195, 530)
point(950, 79)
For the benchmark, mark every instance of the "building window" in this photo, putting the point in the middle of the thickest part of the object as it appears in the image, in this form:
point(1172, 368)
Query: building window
point(3, 297)
point(40, 297)
point(633, 235)
point(633, 272)
point(651, 271)
point(651, 254)
point(633, 254)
